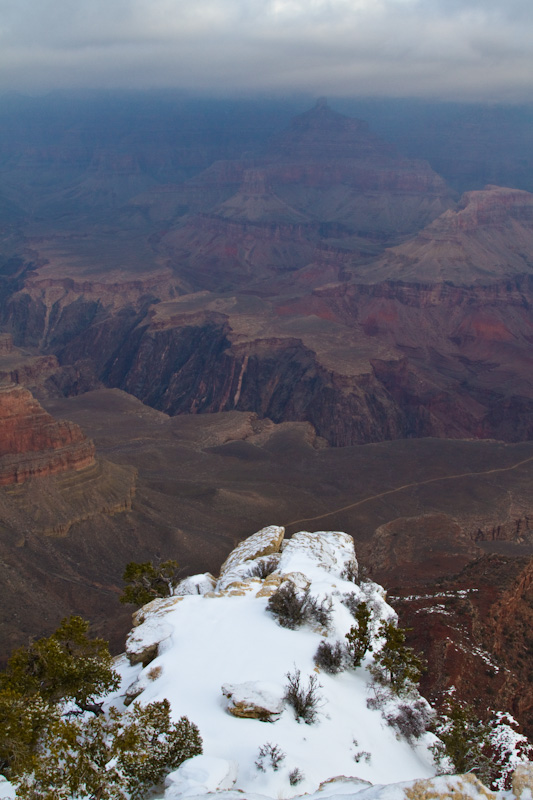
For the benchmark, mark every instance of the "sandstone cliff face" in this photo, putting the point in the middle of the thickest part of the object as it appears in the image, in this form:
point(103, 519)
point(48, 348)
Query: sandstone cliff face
point(33, 444)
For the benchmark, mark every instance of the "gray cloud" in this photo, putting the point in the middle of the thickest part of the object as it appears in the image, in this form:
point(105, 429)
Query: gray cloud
point(471, 49)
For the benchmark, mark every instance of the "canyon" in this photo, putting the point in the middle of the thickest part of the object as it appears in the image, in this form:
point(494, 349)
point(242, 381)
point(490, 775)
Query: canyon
point(305, 328)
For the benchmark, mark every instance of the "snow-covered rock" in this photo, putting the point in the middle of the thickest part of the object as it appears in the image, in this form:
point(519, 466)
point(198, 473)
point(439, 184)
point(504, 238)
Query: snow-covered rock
point(154, 609)
point(522, 782)
point(255, 700)
point(200, 775)
point(263, 543)
point(144, 641)
point(331, 551)
point(196, 584)
point(445, 787)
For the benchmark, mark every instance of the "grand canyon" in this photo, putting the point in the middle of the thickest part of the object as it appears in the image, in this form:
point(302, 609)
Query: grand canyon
point(297, 321)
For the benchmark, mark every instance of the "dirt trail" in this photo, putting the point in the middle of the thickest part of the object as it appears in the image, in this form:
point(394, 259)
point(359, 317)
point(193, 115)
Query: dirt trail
point(409, 486)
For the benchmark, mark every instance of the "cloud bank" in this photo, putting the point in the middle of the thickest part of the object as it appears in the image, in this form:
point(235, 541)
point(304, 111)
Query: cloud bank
point(454, 49)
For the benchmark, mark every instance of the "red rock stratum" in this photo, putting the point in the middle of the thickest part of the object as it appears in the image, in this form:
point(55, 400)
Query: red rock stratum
point(34, 444)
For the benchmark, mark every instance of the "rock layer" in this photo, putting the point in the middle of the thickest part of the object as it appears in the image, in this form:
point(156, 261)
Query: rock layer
point(33, 444)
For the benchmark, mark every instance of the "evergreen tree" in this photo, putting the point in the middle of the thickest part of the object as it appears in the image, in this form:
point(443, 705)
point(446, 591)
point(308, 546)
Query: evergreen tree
point(113, 757)
point(464, 744)
point(145, 581)
point(53, 751)
point(359, 636)
point(68, 665)
point(396, 664)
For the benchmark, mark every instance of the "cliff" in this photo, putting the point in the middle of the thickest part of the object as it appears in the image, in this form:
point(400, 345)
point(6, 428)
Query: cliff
point(33, 444)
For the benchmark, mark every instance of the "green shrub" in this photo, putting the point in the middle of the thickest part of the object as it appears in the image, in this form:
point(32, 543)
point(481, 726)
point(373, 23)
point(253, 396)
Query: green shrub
point(113, 757)
point(146, 581)
point(359, 636)
point(68, 665)
point(396, 664)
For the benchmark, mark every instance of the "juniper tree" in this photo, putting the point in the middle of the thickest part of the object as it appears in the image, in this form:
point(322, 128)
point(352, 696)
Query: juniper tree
point(113, 757)
point(146, 581)
point(396, 664)
point(68, 665)
point(359, 637)
point(52, 749)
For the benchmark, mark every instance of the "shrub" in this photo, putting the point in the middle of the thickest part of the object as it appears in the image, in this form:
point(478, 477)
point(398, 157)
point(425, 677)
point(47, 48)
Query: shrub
point(269, 755)
point(145, 581)
point(296, 776)
point(464, 744)
point(111, 758)
point(318, 611)
point(396, 664)
point(293, 608)
point(263, 567)
point(359, 636)
point(330, 657)
point(305, 700)
point(411, 720)
point(352, 602)
point(351, 572)
point(68, 665)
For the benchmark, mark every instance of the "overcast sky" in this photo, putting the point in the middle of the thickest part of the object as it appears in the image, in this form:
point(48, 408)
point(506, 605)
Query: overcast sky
point(453, 49)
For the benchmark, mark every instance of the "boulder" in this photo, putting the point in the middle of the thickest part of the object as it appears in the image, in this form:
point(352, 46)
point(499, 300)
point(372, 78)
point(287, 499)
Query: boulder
point(522, 782)
point(263, 543)
point(144, 641)
point(255, 700)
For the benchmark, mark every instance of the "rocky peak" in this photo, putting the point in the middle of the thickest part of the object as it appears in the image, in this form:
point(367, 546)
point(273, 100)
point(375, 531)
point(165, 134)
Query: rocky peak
point(493, 205)
point(324, 134)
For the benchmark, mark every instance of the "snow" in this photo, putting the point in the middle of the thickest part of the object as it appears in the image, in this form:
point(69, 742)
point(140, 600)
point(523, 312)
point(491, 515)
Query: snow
point(199, 775)
point(7, 791)
point(229, 638)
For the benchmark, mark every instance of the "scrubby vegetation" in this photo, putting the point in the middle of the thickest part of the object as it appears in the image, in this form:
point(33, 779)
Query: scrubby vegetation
point(490, 748)
point(269, 756)
point(305, 700)
point(411, 719)
point(331, 657)
point(296, 776)
point(56, 742)
point(146, 581)
point(293, 608)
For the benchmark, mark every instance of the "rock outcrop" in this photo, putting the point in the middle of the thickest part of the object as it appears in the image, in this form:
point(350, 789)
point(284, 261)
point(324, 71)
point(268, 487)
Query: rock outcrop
point(33, 444)
point(254, 700)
